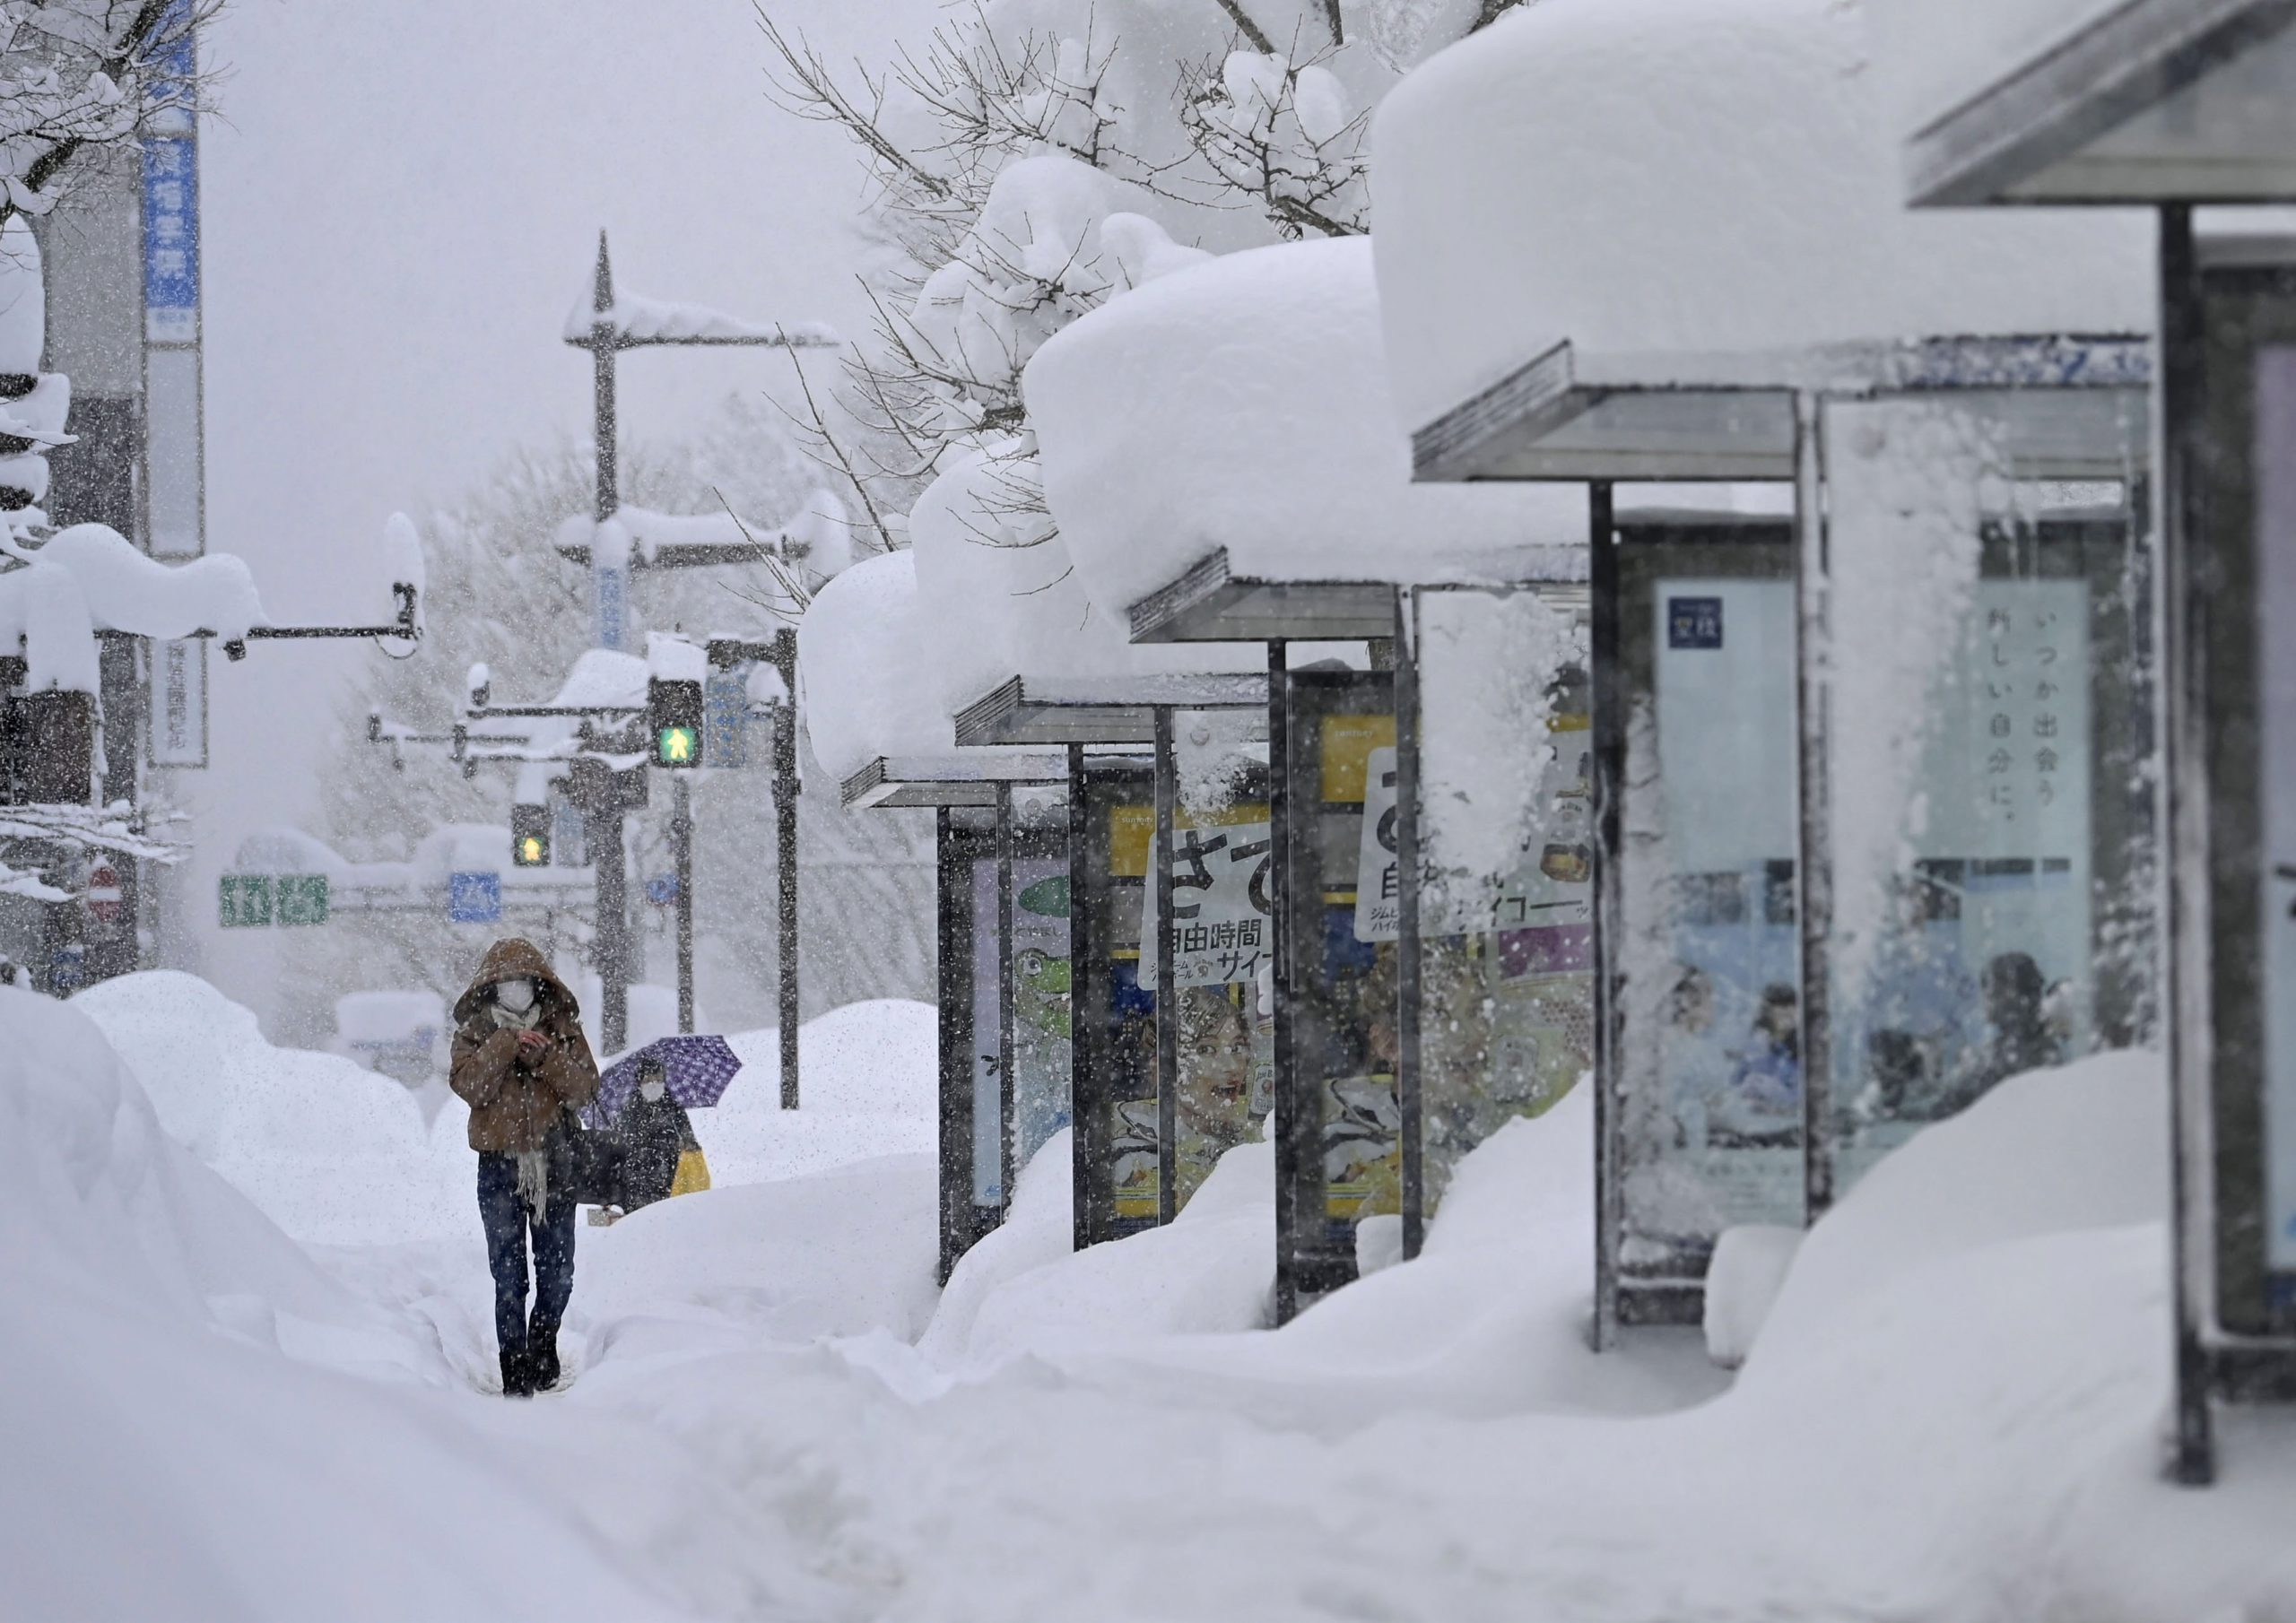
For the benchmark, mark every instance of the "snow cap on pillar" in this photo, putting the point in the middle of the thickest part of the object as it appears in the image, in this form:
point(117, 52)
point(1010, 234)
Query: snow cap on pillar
point(1662, 177)
point(867, 664)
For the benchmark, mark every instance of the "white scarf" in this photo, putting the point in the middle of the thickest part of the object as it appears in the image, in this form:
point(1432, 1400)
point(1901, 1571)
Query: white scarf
point(533, 1165)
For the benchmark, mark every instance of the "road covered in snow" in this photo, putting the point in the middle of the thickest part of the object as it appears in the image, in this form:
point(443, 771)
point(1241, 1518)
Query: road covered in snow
point(248, 1339)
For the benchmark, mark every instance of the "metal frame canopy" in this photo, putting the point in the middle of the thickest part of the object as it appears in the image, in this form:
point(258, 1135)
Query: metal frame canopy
point(966, 779)
point(1097, 710)
point(1210, 603)
point(1568, 415)
point(2156, 100)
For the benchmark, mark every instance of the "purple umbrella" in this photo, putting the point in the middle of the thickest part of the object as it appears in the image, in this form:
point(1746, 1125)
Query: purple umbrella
point(696, 1073)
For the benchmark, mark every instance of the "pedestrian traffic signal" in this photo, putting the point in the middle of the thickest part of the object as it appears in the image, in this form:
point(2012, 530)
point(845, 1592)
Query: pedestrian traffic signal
point(530, 837)
point(673, 717)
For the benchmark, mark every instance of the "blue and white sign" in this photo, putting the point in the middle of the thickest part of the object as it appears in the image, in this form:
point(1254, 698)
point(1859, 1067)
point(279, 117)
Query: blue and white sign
point(662, 890)
point(612, 586)
point(67, 969)
point(171, 239)
point(724, 719)
point(1693, 623)
point(473, 898)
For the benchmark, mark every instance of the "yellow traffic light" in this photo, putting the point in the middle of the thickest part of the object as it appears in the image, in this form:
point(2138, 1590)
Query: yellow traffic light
point(530, 851)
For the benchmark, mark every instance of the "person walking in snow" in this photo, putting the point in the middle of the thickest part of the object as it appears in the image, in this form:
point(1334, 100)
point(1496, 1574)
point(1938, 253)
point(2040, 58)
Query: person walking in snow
point(523, 1066)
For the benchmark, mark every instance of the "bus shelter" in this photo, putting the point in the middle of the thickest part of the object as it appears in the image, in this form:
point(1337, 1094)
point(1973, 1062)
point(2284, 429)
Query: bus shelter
point(1867, 758)
point(2174, 104)
point(1163, 1073)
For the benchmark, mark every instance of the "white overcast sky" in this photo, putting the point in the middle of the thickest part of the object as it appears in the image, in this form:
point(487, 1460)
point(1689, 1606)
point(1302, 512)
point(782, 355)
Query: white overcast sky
point(401, 202)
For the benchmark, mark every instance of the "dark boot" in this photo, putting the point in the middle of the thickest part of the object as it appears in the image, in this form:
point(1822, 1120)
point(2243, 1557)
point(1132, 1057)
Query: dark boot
point(542, 1358)
point(517, 1373)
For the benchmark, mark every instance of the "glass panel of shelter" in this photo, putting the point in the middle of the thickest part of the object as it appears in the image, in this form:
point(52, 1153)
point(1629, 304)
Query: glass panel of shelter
point(2244, 578)
point(1989, 765)
point(1037, 1020)
point(1223, 938)
point(1118, 1159)
point(1501, 981)
point(1704, 1130)
point(1339, 1136)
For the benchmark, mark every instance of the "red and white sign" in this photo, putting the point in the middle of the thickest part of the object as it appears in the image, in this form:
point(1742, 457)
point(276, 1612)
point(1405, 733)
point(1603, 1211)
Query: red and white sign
point(103, 893)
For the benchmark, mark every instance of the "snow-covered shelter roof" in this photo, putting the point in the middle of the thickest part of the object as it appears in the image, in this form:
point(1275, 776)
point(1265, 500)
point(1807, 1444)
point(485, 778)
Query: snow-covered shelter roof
point(2095, 100)
point(1239, 411)
point(1691, 192)
point(871, 676)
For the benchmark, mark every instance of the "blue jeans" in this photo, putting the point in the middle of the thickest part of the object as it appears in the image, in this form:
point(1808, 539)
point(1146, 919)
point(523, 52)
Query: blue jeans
point(507, 1221)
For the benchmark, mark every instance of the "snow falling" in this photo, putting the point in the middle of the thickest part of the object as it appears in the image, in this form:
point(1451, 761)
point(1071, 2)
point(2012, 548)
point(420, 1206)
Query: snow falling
point(1244, 809)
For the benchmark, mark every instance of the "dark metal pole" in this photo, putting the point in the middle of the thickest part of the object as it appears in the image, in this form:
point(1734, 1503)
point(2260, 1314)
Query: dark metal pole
point(785, 831)
point(1008, 1043)
point(1168, 1008)
point(1286, 1102)
point(1606, 656)
point(682, 857)
point(603, 836)
point(1410, 971)
point(1084, 1071)
point(2183, 618)
point(602, 421)
point(1813, 857)
point(954, 1071)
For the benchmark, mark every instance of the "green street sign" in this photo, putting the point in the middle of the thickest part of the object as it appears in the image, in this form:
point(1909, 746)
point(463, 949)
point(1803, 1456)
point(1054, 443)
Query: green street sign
point(246, 900)
point(302, 898)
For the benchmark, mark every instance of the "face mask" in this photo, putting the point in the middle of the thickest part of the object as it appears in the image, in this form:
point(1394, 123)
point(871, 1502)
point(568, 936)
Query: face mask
point(517, 996)
point(650, 1090)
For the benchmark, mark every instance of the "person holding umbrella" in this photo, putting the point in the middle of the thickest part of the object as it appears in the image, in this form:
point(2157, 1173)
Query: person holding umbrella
point(523, 1066)
point(643, 1100)
point(657, 1137)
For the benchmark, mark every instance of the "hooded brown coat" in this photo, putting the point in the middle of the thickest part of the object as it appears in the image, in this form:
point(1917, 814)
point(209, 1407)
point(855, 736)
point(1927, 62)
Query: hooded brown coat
point(515, 1096)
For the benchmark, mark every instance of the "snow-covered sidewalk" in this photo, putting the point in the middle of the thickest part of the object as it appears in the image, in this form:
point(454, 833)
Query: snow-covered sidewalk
point(1949, 1413)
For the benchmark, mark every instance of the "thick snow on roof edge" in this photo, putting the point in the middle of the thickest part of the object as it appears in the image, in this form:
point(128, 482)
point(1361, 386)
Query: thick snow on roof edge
point(1244, 405)
point(1668, 176)
point(869, 668)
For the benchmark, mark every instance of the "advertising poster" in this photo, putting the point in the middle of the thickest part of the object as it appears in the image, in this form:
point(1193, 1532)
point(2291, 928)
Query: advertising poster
point(1042, 1044)
point(1222, 933)
point(987, 1025)
point(1362, 1118)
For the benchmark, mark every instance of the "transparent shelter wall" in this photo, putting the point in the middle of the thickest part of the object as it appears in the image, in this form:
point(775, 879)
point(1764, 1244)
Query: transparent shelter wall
point(1991, 774)
point(988, 1193)
point(1505, 895)
point(1223, 938)
point(1706, 1123)
point(1040, 1038)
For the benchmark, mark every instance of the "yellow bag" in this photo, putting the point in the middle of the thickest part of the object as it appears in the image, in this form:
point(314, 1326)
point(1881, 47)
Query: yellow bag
point(694, 1174)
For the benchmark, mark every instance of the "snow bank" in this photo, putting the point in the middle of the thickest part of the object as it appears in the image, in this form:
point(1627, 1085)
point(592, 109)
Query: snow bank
point(330, 1151)
point(869, 663)
point(164, 1460)
point(2081, 1147)
point(868, 1086)
point(1646, 176)
point(1244, 405)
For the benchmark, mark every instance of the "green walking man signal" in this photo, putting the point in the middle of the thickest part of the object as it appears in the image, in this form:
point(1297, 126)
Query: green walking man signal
point(673, 717)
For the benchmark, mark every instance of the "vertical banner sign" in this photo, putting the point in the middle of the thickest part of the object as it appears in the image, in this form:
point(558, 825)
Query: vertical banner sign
point(724, 719)
point(611, 586)
point(175, 478)
point(2276, 554)
point(179, 688)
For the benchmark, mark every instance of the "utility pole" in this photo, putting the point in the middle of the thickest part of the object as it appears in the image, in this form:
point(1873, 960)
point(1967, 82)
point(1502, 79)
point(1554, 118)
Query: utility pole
point(682, 859)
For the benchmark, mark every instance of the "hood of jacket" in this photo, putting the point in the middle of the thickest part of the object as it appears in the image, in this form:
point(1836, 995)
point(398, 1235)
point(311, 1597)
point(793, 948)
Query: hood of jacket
point(513, 958)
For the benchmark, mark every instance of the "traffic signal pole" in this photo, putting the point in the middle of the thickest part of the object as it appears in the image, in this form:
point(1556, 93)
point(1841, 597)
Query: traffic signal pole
point(682, 855)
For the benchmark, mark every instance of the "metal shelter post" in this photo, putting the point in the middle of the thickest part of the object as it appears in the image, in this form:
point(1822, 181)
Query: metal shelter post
point(1410, 971)
point(1606, 656)
point(1008, 1045)
point(1168, 1013)
point(1813, 853)
point(1284, 1131)
point(1081, 1045)
point(2183, 641)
